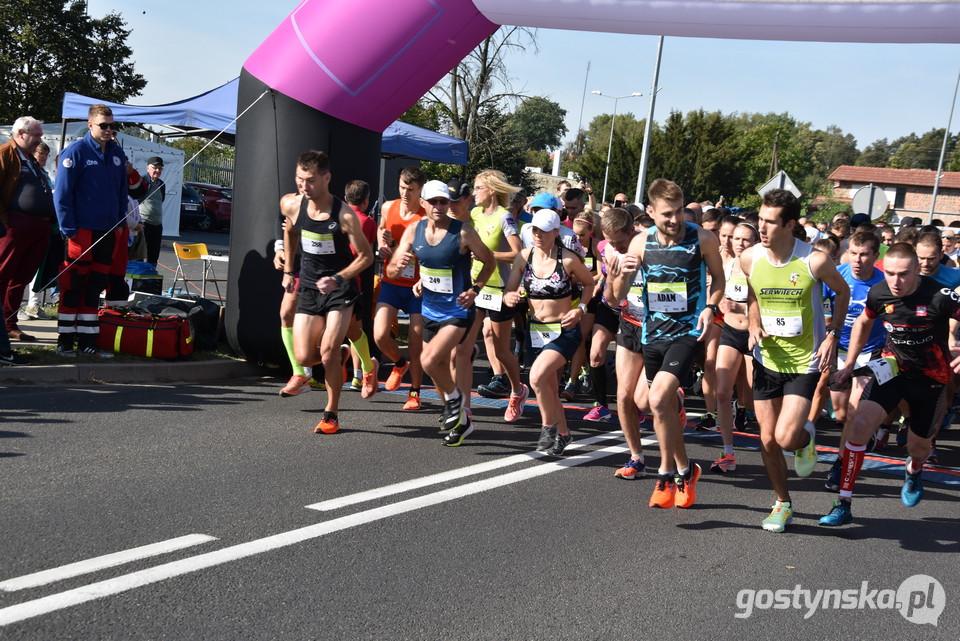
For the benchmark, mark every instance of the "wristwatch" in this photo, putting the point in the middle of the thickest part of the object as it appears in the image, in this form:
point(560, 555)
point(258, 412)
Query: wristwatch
point(338, 278)
point(834, 332)
point(476, 288)
point(713, 308)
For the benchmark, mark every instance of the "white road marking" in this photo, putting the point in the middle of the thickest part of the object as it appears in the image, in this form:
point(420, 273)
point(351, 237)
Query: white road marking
point(103, 562)
point(117, 585)
point(444, 477)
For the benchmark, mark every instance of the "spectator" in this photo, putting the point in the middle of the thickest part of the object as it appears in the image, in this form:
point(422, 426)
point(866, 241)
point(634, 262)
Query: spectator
point(26, 208)
point(151, 208)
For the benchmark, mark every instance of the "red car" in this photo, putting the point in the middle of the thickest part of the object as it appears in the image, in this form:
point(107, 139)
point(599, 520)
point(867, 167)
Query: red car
point(217, 203)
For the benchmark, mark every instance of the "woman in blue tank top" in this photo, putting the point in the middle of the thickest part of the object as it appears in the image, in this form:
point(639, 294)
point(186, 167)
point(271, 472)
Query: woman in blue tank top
point(442, 246)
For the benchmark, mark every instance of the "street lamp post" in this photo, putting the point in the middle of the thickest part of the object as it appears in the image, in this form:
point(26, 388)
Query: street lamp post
point(613, 122)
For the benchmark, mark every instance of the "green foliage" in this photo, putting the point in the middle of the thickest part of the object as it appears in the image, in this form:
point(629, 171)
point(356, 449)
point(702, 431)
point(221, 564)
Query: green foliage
point(539, 123)
point(48, 47)
point(911, 152)
point(830, 208)
point(423, 114)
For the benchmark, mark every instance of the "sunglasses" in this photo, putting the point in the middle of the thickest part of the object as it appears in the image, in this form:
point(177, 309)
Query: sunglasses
point(116, 126)
point(438, 201)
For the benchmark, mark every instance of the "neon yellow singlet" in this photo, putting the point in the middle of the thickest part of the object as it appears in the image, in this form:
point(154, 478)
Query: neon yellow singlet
point(790, 310)
point(490, 228)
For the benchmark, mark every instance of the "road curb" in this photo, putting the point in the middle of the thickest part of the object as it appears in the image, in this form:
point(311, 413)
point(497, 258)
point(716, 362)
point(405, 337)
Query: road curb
point(187, 371)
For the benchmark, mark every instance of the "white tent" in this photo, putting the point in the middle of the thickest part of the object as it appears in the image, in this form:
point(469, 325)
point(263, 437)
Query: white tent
point(137, 150)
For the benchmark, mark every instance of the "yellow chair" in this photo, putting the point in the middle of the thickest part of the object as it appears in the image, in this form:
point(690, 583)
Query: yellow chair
point(198, 251)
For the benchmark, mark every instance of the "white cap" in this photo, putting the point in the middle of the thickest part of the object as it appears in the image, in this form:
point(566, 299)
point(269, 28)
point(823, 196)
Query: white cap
point(435, 189)
point(546, 220)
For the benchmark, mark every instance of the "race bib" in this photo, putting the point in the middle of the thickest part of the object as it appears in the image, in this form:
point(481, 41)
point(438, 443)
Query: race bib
point(589, 262)
point(635, 308)
point(439, 281)
point(667, 297)
point(736, 290)
point(490, 298)
point(881, 370)
point(785, 324)
point(543, 333)
point(410, 271)
point(316, 244)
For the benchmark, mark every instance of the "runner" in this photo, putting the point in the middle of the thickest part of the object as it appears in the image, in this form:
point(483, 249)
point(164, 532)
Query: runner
point(626, 322)
point(860, 275)
point(442, 246)
point(917, 313)
point(397, 293)
point(325, 227)
point(583, 228)
point(733, 353)
point(674, 257)
point(790, 341)
point(548, 272)
point(498, 230)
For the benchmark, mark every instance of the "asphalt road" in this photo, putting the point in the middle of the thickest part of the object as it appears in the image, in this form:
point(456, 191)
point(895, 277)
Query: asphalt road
point(504, 546)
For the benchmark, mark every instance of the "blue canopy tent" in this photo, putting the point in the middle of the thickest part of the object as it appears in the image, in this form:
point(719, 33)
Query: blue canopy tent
point(214, 111)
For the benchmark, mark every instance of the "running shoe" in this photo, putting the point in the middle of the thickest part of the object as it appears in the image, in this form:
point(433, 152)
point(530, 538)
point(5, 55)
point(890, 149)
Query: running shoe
point(568, 391)
point(586, 383)
point(902, 433)
point(295, 385)
point(560, 443)
point(634, 468)
point(683, 410)
point(779, 518)
point(687, 487)
point(548, 434)
point(664, 493)
point(881, 438)
point(515, 406)
point(933, 458)
point(455, 437)
point(740, 418)
point(329, 424)
point(805, 459)
point(396, 376)
point(598, 413)
point(498, 387)
point(839, 515)
point(707, 422)
point(370, 384)
point(413, 401)
point(317, 384)
point(452, 413)
point(833, 476)
point(724, 464)
point(912, 490)
point(355, 385)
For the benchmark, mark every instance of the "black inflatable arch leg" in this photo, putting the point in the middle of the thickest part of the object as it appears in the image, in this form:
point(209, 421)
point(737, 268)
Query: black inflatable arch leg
point(270, 137)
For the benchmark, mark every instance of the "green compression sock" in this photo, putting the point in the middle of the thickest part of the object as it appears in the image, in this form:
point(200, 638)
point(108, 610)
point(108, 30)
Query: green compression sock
point(286, 333)
point(363, 351)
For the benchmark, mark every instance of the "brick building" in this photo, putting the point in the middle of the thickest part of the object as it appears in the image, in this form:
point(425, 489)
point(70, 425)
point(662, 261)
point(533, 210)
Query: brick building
point(908, 190)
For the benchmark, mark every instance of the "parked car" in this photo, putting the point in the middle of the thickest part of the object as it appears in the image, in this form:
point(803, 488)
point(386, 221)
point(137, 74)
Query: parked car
point(217, 201)
point(192, 211)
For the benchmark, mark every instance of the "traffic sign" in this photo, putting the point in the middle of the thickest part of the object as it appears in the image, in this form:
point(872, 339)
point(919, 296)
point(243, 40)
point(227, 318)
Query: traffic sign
point(780, 181)
point(870, 200)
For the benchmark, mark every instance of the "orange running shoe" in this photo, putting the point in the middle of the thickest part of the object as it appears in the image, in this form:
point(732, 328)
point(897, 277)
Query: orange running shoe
point(370, 384)
point(295, 385)
point(396, 376)
point(663, 493)
point(687, 488)
point(515, 405)
point(413, 401)
point(329, 424)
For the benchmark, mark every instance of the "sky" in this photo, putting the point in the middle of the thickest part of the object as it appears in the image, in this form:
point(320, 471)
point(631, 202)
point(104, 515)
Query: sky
point(872, 91)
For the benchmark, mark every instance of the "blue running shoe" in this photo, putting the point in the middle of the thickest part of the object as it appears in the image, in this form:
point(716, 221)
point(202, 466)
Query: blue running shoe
point(839, 515)
point(833, 476)
point(912, 490)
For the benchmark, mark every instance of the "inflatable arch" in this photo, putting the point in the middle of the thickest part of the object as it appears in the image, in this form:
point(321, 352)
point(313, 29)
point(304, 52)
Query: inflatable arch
point(315, 83)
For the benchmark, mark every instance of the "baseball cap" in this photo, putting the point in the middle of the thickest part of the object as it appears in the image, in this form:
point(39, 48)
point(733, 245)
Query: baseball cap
point(435, 189)
point(458, 189)
point(545, 201)
point(155, 160)
point(859, 219)
point(546, 220)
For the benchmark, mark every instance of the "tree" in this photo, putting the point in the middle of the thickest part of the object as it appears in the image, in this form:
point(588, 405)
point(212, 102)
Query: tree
point(876, 154)
point(539, 123)
point(48, 47)
point(921, 152)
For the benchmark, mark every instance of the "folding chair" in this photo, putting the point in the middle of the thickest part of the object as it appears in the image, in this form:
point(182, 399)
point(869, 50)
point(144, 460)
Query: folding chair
point(198, 251)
